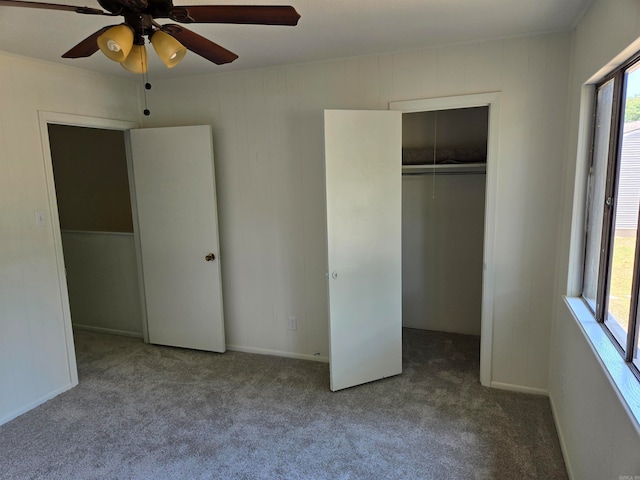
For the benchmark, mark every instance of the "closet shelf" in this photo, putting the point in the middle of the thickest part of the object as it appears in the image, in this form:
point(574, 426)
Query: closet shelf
point(443, 168)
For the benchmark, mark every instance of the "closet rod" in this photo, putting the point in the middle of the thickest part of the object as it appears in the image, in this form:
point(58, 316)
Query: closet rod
point(442, 173)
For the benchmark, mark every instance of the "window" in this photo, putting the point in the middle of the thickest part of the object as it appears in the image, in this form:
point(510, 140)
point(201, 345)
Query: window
point(611, 281)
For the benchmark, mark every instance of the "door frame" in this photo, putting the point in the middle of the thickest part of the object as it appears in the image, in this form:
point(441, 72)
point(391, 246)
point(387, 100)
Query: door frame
point(491, 100)
point(45, 118)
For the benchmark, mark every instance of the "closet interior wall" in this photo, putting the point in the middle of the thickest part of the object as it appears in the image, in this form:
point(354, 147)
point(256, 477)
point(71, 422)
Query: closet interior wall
point(443, 221)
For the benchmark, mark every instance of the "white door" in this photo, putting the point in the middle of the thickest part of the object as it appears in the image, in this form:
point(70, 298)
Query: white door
point(363, 152)
point(174, 183)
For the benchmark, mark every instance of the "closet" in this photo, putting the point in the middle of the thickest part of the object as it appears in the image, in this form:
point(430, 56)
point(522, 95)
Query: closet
point(444, 156)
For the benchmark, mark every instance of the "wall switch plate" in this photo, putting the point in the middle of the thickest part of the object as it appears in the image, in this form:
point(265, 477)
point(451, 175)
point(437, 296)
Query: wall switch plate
point(40, 218)
point(293, 323)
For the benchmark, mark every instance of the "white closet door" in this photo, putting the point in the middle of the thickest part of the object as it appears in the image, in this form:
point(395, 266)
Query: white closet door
point(178, 225)
point(363, 152)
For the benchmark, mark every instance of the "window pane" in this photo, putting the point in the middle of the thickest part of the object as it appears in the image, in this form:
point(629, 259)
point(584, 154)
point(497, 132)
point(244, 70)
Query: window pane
point(620, 285)
point(595, 208)
point(626, 219)
point(636, 355)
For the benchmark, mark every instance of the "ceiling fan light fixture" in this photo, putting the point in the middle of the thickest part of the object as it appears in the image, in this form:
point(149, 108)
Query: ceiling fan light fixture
point(136, 61)
point(116, 43)
point(170, 50)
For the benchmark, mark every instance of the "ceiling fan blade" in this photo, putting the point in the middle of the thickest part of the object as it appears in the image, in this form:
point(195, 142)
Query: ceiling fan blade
point(200, 45)
point(52, 6)
point(247, 14)
point(86, 47)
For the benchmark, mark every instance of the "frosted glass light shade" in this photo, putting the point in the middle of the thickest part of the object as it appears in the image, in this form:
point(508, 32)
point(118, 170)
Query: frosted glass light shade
point(136, 61)
point(170, 50)
point(116, 42)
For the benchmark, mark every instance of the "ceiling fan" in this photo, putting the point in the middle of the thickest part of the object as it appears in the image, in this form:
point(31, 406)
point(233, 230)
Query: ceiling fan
point(124, 43)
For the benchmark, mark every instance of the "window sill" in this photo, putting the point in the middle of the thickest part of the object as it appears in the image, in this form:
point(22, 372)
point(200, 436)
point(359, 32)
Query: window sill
point(625, 383)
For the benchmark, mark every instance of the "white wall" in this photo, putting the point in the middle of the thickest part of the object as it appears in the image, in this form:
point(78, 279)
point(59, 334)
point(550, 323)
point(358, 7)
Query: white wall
point(459, 127)
point(92, 182)
point(442, 245)
point(598, 436)
point(33, 350)
point(268, 141)
point(102, 278)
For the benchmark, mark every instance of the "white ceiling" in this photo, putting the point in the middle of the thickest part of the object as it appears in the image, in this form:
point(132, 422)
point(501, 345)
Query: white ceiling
point(327, 29)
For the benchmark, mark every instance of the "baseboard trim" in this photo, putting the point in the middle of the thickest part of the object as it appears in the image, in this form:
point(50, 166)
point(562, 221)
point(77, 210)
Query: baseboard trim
point(278, 353)
point(109, 331)
point(520, 388)
point(563, 445)
point(38, 402)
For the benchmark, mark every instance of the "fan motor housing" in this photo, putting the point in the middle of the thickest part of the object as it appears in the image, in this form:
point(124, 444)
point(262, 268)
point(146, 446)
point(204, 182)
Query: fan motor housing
point(155, 8)
point(142, 23)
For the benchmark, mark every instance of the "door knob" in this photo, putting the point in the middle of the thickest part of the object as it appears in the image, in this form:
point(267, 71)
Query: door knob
point(334, 274)
point(210, 257)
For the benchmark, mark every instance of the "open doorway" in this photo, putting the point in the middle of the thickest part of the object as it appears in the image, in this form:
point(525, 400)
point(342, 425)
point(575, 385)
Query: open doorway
point(160, 183)
point(96, 226)
point(443, 209)
point(444, 155)
point(479, 186)
point(46, 119)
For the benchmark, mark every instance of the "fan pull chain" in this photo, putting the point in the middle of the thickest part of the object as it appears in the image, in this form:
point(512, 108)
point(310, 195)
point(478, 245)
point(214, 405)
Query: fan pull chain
point(147, 86)
point(145, 73)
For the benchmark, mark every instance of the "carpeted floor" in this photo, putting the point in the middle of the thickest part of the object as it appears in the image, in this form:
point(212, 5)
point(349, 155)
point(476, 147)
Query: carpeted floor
point(144, 411)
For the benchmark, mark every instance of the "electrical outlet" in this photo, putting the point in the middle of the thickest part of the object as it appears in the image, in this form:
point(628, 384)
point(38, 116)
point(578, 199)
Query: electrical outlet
point(293, 323)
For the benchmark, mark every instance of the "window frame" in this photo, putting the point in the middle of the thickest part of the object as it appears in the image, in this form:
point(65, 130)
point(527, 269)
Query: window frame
point(628, 346)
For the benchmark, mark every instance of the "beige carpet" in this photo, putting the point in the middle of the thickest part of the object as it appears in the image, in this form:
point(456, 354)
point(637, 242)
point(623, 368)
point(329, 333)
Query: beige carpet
point(144, 411)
